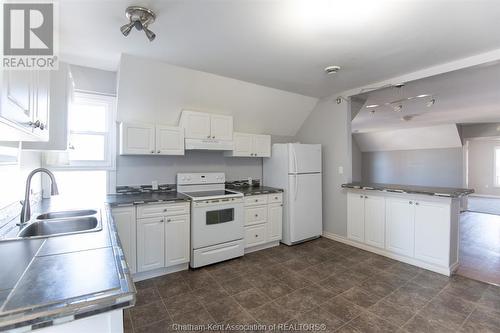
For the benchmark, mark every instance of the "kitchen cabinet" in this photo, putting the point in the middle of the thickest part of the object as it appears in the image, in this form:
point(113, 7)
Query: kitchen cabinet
point(432, 232)
point(177, 240)
point(250, 145)
point(201, 125)
point(418, 229)
point(150, 243)
point(166, 232)
point(400, 225)
point(149, 139)
point(275, 222)
point(263, 219)
point(124, 218)
point(25, 98)
point(355, 217)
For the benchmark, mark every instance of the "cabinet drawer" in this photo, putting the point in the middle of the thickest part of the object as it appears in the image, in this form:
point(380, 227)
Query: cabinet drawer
point(154, 210)
point(255, 215)
point(255, 200)
point(255, 235)
point(276, 198)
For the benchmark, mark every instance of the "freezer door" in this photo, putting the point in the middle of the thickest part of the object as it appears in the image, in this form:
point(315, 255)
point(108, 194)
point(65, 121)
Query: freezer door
point(305, 207)
point(304, 158)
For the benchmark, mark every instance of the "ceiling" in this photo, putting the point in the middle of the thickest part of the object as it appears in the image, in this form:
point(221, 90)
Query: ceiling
point(468, 95)
point(286, 44)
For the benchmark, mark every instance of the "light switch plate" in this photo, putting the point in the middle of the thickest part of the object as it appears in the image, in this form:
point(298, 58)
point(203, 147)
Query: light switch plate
point(341, 170)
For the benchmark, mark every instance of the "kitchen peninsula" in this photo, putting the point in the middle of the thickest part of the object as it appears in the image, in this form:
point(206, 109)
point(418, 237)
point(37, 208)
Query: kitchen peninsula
point(413, 224)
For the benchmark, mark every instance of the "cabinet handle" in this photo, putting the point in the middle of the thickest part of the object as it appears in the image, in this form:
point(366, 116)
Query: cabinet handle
point(361, 196)
point(213, 137)
point(169, 220)
point(162, 220)
point(165, 210)
point(416, 203)
point(366, 197)
point(35, 124)
point(256, 215)
point(411, 202)
point(256, 236)
point(152, 151)
point(158, 151)
point(42, 126)
point(256, 200)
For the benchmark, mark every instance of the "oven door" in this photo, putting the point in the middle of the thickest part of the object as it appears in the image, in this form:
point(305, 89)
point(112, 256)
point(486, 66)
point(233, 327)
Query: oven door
point(216, 222)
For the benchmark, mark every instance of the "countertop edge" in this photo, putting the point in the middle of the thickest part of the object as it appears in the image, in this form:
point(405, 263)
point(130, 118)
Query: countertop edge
point(446, 193)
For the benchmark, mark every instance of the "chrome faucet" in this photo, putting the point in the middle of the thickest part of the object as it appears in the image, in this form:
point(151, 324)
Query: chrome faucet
point(26, 210)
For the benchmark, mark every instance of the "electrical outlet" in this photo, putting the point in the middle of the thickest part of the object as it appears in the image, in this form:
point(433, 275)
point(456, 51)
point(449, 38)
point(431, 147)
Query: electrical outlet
point(154, 184)
point(341, 170)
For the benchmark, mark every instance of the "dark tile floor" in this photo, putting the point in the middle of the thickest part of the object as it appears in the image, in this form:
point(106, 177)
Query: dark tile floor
point(480, 247)
point(320, 282)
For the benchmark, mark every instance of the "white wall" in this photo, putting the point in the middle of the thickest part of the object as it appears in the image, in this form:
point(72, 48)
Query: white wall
point(153, 91)
point(330, 125)
point(482, 166)
point(424, 167)
point(92, 80)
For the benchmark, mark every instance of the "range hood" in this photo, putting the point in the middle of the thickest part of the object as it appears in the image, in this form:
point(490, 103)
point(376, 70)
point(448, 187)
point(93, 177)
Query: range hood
point(208, 144)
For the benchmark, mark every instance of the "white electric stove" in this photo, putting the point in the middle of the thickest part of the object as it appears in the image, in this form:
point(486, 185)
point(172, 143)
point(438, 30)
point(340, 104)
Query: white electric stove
point(217, 218)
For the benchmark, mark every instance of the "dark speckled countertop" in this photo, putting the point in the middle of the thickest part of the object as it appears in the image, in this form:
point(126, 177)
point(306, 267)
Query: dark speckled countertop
point(412, 189)
point(254, 190)
point(139, 198)
point(63, 277)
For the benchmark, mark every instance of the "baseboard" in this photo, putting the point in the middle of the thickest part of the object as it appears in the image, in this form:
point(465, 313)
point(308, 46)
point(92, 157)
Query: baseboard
point(159, 272)
point(415, 262)
point(261, 247)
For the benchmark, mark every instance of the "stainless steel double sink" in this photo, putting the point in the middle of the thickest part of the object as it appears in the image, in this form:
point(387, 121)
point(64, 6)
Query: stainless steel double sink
point(63, 223)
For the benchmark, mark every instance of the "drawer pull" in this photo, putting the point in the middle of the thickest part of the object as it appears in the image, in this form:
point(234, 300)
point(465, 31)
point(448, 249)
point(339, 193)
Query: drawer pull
point(162, 220)
point(256, 200)
point(256, 215)
point(256, 236)
point(169, 220)
point(165, 210)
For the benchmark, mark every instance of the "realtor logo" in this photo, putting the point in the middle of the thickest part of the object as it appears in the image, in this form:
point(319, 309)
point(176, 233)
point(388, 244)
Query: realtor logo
point(29, 36)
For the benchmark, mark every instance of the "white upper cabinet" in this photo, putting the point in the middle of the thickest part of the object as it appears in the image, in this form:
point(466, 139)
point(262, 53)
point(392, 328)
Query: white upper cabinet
point(148, 139)
point(169, 140)
point(250, 145)
point(221, 127)
point(201, 125)
point(196, 125)
point(25, 105)
point(137, 139)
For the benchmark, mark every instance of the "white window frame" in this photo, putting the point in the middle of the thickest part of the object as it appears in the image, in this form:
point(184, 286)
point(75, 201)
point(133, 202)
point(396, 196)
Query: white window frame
point(109, 164)
point(496, 171)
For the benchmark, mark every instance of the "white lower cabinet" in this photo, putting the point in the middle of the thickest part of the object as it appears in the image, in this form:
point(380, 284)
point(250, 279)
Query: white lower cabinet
point(177, 240)
point(356, 217)
point(432, 232)
point(400, 226)
point(263, 219)
point(154, 235)
point(375, 220)
point(415, 229)
point(150, 243)
point(124, 218)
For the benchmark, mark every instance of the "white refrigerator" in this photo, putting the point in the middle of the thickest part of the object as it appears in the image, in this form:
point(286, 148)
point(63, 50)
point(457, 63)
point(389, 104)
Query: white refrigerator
point(296, 168)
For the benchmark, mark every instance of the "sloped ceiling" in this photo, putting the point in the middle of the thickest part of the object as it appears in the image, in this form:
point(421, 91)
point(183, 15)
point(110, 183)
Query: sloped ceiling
point(470, 95)
point(286, 44)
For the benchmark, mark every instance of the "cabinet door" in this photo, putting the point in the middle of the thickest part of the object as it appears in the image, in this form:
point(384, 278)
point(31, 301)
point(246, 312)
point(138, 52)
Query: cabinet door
point(18, 94)
point(400, 226)
point(432, 232)
point(243, 144)
point(262, 145)
point(169, 140)
point(196, 125)
point(375, 220)
point(150, 243)
point(356, 217)
point(177, 240)
point(41, 103)
point(124, 218)
point(274, 222)
point(221, 127)
point(137, 139)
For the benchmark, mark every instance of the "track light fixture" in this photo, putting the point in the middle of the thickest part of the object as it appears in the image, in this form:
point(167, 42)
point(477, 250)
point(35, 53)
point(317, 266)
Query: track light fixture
point(140, 18)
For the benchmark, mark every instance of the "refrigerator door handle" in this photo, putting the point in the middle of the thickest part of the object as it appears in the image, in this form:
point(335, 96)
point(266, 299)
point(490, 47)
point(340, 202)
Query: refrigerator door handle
point(295, 164)
point(296, 187)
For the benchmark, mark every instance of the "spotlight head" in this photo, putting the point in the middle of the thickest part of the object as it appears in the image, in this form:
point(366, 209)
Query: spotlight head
point(125, 29)
point(151, 35)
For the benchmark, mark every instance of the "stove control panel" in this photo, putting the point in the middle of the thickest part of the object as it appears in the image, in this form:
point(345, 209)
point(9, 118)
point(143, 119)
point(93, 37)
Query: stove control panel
point(201, 178)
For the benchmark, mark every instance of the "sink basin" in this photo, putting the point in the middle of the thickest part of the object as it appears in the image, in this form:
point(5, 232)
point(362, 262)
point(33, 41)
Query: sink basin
point(65, 214)
point(60, 226)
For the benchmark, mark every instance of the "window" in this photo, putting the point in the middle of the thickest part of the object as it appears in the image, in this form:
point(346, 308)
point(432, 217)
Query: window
point(90, 125)
point(497, 166)
point(87, 167)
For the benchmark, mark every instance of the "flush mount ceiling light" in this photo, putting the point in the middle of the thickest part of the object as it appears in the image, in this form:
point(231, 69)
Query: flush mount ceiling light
point(140, 18)
point(332, 69)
